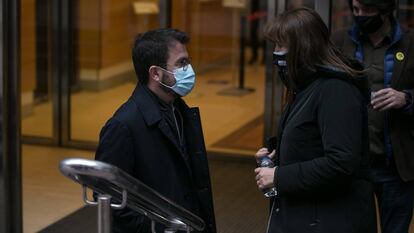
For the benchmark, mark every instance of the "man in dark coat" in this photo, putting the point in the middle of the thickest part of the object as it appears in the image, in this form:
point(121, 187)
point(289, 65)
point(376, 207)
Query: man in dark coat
point(377, 40)
point(155, 136)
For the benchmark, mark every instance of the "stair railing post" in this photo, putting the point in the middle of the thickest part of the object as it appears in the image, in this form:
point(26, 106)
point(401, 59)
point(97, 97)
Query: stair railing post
point(104, 214)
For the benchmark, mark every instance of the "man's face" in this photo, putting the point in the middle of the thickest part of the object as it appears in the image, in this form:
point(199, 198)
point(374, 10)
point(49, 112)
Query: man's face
point(177, 58)
point(359, 9)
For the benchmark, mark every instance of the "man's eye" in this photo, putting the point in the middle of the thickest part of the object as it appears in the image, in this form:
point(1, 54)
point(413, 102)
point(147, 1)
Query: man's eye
point(183, 63)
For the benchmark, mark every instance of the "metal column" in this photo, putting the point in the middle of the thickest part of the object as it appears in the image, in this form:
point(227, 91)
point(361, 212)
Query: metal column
point(323, 7)
point(273, 89)
point(10, 158)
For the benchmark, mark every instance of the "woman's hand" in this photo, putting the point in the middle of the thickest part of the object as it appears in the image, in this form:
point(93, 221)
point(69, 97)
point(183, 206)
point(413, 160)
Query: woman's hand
point(264, 177)
point(263, 152)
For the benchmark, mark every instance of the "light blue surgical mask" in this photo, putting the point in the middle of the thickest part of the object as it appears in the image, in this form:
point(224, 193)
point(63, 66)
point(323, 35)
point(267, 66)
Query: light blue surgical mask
point(184, 80)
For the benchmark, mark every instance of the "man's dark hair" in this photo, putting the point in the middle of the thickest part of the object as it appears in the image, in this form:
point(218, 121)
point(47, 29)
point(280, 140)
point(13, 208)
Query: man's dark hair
point(151, 48)
point(383, 6)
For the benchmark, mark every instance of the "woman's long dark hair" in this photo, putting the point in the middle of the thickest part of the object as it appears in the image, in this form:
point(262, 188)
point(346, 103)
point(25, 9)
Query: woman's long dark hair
point(306, 37)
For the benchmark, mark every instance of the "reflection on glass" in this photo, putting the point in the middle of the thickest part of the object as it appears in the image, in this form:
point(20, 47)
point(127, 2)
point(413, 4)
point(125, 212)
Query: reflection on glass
point(36, 105)
point(292, 4)
point(105, 77)
point(341, 15)
point(232, 114)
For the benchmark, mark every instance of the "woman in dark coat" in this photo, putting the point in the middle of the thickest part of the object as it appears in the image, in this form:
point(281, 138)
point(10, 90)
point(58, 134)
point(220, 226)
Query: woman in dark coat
point(321, 156)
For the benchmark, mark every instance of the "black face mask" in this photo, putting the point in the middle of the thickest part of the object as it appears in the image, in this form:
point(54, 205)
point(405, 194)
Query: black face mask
point(369, 24)
point(279, 60)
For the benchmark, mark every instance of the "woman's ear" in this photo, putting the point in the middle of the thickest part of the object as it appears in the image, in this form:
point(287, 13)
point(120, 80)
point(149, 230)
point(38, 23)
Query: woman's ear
point(154, 73)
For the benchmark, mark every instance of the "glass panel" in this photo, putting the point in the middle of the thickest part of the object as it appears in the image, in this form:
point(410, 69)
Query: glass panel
point(105, 78)
point(230, 94)
point(36, 92)
point(291, 4)
point(231, 107)
point(341, 15)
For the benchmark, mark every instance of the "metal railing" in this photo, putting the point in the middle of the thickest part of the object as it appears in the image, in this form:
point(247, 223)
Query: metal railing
point(116, 186)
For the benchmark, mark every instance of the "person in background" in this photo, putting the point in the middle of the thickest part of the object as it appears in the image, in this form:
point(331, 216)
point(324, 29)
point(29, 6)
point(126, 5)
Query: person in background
point(377, 39)
point(321, 155)
point(256, 18)
point(155, 137)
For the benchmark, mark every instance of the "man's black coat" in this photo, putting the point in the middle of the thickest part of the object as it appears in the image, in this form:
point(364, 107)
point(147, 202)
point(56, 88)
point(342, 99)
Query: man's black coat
point(139, 140)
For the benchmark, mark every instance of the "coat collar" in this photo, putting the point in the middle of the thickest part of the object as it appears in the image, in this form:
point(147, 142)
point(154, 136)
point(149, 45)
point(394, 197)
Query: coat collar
point(150, 107)
point(147, 104)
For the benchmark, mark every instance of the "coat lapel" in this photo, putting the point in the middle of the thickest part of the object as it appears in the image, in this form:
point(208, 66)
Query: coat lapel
point(151, 112)
point(400, 59)
point(168, 133)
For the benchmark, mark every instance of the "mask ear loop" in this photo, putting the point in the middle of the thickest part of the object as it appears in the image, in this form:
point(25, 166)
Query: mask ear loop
point(170, 72)
point(159, 81)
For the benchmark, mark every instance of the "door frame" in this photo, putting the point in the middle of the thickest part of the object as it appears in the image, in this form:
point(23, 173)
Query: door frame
point(10, 148)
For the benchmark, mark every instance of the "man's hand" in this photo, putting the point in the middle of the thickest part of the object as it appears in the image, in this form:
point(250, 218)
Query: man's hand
point(264, 177)
point(387, 98)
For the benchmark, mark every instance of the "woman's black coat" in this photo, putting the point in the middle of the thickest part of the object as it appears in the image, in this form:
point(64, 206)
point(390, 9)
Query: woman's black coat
point(322, 158)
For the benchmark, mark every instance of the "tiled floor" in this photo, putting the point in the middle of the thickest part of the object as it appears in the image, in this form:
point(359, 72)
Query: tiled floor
point(47, 194)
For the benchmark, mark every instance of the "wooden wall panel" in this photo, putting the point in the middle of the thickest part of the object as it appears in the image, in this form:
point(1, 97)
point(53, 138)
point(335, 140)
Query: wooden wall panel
point(216, 32)
point(211, 28)
point(88, 42)
point(107, 29)
point(28, 45)
point(120, 26)
point(115, 36)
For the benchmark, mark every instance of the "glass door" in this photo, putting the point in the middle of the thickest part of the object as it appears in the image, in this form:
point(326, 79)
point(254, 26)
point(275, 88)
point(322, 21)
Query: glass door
point(37, 102)
point(226, 50)
point(103, 75)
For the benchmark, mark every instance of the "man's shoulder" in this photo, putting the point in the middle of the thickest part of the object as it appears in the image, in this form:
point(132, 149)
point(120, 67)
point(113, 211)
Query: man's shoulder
point(409, 34)
point(129, 107)
point(127, 112)
point(406, 41)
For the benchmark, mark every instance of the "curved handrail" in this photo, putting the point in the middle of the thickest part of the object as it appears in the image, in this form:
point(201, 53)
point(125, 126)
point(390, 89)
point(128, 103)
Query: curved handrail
point(104, 178)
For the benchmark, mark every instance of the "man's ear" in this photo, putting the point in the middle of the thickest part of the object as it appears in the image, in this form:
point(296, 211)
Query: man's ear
point(154, 73)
